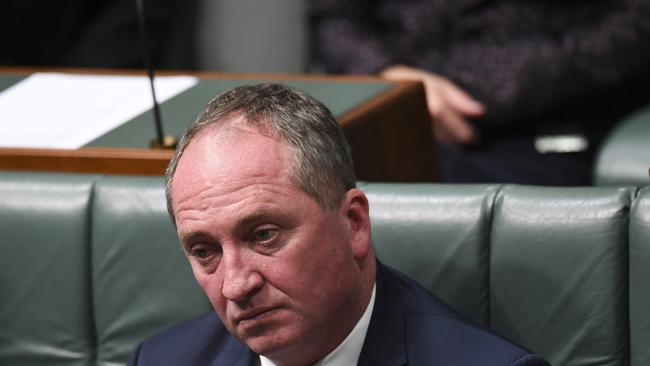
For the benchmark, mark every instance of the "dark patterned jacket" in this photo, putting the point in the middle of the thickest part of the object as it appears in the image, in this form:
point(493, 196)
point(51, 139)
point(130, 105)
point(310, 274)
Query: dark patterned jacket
point(536, 65)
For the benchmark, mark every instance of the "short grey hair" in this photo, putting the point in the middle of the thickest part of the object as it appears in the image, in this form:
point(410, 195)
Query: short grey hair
point(321, 158)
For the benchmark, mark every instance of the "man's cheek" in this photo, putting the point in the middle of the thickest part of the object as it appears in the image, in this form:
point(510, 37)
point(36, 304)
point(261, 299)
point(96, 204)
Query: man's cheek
point(212, 290)
point(216, 297)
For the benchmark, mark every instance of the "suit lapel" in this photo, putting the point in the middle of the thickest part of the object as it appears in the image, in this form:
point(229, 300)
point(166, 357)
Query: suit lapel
point(385, 343)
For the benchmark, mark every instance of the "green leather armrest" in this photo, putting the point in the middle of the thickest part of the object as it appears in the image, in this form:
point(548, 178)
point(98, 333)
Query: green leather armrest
point(640, 279)
point(624, 157)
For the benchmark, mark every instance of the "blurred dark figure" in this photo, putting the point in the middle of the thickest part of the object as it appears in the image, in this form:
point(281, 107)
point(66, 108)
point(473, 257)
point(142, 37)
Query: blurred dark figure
point(519, 91)
point(96, 33)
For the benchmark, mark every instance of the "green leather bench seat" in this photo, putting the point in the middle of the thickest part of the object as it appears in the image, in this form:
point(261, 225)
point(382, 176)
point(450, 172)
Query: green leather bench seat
point(90, 265)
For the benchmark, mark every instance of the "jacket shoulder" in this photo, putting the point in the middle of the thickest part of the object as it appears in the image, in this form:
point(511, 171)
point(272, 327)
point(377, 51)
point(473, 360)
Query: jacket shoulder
point(435, 331)
point(193, 342)
point(453, 341)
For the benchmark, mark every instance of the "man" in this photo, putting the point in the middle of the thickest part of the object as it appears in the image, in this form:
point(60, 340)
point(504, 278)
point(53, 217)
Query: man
point(262, 192)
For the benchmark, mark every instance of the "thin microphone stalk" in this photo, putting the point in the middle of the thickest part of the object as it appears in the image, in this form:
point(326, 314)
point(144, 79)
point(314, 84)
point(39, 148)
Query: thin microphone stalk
point(162, 141)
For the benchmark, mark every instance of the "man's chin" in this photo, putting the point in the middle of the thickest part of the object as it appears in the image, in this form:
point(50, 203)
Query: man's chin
point(260, 327)
point(270, 340)
point(270, 345)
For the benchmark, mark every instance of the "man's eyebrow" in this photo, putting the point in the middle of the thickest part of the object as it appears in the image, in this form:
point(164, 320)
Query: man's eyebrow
point(256, 217)
point(191, 236)
point(253, 218)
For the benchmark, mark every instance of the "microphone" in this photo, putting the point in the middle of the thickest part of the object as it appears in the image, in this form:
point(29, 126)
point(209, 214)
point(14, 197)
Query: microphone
point(161, 141)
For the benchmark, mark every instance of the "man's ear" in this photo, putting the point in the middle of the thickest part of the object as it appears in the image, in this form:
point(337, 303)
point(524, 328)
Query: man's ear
point(356, 211)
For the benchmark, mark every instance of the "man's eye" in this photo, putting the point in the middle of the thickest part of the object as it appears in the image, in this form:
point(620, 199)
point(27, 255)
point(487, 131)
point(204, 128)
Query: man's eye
point(202, 252)
point(264, 235)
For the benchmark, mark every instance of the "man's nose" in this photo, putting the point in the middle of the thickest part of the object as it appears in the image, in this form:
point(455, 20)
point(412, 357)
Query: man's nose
point(241, 279)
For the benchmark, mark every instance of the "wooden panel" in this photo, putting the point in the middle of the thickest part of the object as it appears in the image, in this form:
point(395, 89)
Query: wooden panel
point(391, 137)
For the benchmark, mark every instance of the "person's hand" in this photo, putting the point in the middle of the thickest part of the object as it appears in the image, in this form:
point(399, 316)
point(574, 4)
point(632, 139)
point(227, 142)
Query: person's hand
point(448, 104)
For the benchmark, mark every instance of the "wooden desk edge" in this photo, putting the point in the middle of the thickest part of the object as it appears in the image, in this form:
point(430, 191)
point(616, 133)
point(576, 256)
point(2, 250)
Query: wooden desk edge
point(87, 160)
point(217, 75)
point(154, 162)
point(402, 89)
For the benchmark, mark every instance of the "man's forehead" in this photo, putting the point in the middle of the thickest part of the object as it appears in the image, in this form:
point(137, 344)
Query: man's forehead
point(236, 136)
point(239, 153)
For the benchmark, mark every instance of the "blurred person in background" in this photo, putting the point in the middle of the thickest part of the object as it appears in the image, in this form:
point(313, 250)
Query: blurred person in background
point(518, 91)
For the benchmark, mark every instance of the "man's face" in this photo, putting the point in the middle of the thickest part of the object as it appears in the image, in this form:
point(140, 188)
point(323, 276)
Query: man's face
point(283, 274)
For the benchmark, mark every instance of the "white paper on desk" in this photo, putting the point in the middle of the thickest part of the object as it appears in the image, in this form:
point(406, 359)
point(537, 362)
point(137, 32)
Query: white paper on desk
point(67, 111)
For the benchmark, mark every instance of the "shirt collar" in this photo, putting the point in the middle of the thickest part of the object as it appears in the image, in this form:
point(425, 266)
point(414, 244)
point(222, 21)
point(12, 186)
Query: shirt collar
point(347, 352)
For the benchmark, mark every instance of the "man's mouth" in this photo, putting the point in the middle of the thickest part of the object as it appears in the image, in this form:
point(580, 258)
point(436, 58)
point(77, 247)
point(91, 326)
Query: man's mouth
point(255, 315)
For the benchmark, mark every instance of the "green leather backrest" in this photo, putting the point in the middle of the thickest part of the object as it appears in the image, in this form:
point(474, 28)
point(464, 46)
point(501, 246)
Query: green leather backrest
point(45, 315)
point(558, 272)
point(141, 280)
point(89, 267)
point(438, 235)
point(545, 267)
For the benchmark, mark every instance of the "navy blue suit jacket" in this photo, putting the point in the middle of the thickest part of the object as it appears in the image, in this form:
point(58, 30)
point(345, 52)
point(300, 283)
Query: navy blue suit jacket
point(409, 326)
